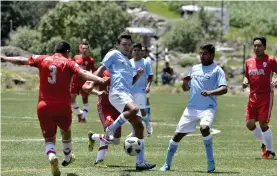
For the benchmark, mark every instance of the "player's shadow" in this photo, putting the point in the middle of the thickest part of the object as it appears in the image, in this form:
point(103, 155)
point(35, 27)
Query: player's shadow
point(119, 166)
point(215, 172)
point(264, 159)
point(71, 174)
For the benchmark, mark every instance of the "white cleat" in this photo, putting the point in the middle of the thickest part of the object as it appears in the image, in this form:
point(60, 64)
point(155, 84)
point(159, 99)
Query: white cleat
point(109, 135)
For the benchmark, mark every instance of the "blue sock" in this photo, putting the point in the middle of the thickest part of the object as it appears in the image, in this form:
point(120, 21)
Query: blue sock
point(146, 119)
point(140, 156)
point(170, 152)
point(118, 122)
point(148, 109)
point(208, 144)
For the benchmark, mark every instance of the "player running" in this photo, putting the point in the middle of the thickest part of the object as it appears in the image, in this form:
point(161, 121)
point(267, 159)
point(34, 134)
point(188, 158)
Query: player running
point(258, 74)
point(205, 82)
point(85, 61)
point(54, 102)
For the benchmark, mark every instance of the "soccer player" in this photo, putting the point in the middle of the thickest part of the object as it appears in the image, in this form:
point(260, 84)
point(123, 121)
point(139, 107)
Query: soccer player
point(142, 85)
point(107, 114)
point(205, 82)
point(258, 74)
point(85, 61)
point(146, 56)
point(120, 68)
point(54, 102)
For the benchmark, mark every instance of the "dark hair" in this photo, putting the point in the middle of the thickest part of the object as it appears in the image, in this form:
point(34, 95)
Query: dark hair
point(262, 39)
point(62, 47)
point(137, 45)
point(123, 35)
point(209, 47)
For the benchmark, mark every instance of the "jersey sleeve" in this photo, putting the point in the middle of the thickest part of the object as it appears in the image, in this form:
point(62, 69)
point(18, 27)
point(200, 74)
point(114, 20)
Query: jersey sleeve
point(221, 80)
point(73, 66)
point(108, 60)
point(274, 64)
point(148, 68)
point(35, 60)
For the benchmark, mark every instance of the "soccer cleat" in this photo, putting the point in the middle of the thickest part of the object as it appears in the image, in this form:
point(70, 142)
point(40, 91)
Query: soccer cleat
point(72, 159)
point(263, 150)
point(165, 168)
point(268, 155)
point(145, 166)
point(149, 130)
point(100, 163)
point(211, 166)
point(55, 166)
point(90, 141)
point(109, 134)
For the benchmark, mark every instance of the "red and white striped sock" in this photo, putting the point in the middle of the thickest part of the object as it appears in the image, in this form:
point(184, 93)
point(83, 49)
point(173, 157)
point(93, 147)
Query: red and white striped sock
point(67, 148)
point(50, 150)
point(102, 151)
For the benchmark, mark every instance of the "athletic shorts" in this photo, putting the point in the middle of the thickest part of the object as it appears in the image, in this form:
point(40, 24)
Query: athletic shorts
point(140, 100)
point(53, 115)
point(120, 99)
point(259, 107)
point(76, 88)
point(187, 123)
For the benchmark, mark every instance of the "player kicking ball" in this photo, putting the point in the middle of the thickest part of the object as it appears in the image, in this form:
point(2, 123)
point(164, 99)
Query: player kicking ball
point(205, 82)
point(258, 74)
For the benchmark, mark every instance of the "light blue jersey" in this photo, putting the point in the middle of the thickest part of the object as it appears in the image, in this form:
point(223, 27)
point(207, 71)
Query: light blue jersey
point(205, 78)
point(141, 83)
point(120, 69)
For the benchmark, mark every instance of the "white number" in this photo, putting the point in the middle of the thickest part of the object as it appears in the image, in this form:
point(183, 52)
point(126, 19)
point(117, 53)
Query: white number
point(53, 73)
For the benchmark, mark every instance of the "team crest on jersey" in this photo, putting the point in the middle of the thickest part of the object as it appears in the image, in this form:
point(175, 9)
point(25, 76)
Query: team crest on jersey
point(86, 62)
point(265, 64)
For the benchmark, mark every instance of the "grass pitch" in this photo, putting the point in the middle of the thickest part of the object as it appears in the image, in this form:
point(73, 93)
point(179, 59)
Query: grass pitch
point(237, 152)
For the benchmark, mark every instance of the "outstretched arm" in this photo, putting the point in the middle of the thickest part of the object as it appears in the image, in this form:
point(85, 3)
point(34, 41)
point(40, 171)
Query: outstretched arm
point(219, 91)
point(86, 75)
point(100, 70)
point(18, 60)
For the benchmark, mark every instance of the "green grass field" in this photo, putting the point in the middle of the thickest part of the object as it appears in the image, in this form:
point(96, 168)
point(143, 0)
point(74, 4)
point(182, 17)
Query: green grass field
point(237, 152)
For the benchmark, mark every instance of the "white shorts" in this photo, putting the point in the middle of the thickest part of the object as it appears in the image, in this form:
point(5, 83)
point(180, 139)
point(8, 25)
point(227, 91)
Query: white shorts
point(187, 123)
point(120, 99)
point(140, 100)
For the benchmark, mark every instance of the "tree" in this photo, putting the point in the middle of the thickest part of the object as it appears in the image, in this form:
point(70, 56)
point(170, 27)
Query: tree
point(99, 22)
point(184, 35)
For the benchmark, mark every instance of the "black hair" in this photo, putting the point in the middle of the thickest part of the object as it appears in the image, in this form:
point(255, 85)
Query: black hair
point(123, 35)
point(209, 47)
point(262, 39)
point(62, 47)
point(137, 45)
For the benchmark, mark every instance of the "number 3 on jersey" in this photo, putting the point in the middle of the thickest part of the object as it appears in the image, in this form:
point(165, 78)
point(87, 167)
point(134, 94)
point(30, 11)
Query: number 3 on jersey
point(53, 74)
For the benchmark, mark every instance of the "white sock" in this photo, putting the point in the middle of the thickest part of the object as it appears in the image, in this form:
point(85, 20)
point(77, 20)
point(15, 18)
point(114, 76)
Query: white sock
point(67, 147)
point(85, 111)
point(76, 108)
point(50, 150)
point(98, 137)
point(268, 139)
point(258, 133)
point(102, 151)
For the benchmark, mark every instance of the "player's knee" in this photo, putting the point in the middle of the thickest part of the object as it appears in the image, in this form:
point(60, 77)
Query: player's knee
point(134, 111)
point(116, 141)
point(250, 125)
point(264, 126)
point(204, 129)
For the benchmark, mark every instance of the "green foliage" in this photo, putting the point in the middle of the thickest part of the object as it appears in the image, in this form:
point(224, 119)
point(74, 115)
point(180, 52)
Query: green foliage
point(184, 35)
point(99, 22)
point(27, 39)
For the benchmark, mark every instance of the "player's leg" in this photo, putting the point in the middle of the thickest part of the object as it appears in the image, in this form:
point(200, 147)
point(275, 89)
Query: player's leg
point(147, 107)
point(264, 114)
point(86, 105)
point(75, 104)
point(207, 118)
point(187, 124)
point(48, 128)
point(64, 120)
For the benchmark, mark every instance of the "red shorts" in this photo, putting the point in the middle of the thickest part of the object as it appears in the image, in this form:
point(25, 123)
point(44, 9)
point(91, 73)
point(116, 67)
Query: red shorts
point(259, 107)
point(53, 115)
point(76, 88)
point(107, 115)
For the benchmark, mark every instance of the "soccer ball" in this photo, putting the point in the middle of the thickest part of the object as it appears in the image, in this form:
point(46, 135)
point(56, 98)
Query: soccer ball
point(132, 146)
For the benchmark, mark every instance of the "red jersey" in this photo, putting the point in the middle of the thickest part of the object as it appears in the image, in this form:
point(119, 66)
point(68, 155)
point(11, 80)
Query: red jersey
point(104, 99)
point(86, 63)
point(55, 73)
point(259, 73)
